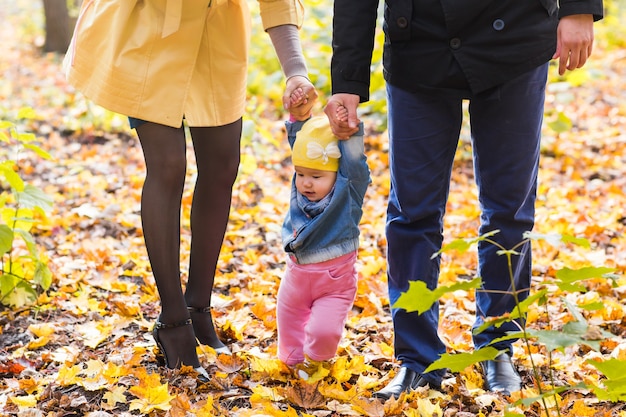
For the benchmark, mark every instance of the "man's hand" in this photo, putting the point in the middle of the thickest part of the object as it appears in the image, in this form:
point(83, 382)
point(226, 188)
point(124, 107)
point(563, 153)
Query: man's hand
point(341, 126)
point(574, 41)
point(299, 97)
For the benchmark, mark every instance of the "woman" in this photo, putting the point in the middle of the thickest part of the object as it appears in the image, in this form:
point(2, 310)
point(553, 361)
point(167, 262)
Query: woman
point(162, 61)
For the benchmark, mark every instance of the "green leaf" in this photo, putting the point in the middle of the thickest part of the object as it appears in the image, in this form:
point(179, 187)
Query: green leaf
point(10, 216)
point(515, 314)
point(613, 369)
point(580, 241)
point(568, 275)
point(559, 340)
point(43, 275)
point(26, 113)
point(29, 240)
point(457, 362)
point(22, 295)
point(462, 245)
point(557, 239)
point(12, 177)
point(549, 393)
point(419, 298)
point(615, 372)
point(32, 197)
point(26, 137)
point(7, 284)
point(561, 124)
point(43, 154)
point(6, 239)
point(593, 306)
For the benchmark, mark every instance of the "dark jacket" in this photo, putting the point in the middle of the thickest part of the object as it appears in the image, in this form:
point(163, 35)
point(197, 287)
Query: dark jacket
point(458, 46)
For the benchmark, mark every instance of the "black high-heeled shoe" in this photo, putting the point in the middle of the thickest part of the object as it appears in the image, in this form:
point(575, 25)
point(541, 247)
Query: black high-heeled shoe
point(215, 343)
point(161, 356)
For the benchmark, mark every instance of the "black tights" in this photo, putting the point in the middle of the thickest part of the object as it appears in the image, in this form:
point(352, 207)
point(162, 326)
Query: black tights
point(217, 151)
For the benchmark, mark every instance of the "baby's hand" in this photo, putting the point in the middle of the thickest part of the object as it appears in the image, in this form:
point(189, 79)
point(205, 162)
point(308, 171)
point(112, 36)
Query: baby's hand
point(342, 114)
point(298, 97)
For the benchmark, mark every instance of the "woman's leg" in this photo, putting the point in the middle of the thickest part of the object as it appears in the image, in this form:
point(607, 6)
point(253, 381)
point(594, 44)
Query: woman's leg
point(217, 158)
point(165, 157)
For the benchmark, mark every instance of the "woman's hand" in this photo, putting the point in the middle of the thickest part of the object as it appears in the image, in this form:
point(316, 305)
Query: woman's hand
point(299, 97)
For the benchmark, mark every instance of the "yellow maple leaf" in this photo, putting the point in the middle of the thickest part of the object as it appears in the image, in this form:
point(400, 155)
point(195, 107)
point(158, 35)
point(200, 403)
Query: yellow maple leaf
point(151, 398)
point(204, 408)
point(42, 329)
point(25, 401)
point(425, 408)
point(579, 409)
point(94, 335)
point(68, 375)
point(115, 395)
point(127, 309)
point(29, 385)
point(37, 343)
point(473, 380)
point(272, 368)
point(180, 405)
point(261, 393)
point(343, 368)
point(371, 407)
point(112, 372)
point(340, 369)
point(337, 392)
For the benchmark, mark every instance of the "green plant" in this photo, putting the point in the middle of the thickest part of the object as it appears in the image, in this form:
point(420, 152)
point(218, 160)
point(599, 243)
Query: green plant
point(418, 298)
point(23, 268)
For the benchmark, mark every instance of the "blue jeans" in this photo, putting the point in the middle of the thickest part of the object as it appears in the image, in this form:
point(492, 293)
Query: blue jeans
point(423, 134)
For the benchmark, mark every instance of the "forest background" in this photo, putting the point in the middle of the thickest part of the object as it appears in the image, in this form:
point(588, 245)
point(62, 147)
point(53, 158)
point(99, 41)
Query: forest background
point(78, 299)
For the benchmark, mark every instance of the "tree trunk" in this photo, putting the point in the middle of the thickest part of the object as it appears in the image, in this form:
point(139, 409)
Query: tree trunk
point(58, 30)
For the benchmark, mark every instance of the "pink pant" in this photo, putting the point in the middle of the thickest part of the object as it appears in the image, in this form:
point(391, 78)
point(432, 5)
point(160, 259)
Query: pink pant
point(312, 307)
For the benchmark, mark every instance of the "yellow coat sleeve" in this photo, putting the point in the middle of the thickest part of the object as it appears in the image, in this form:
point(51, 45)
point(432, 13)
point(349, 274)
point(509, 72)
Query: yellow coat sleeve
point(281, 12)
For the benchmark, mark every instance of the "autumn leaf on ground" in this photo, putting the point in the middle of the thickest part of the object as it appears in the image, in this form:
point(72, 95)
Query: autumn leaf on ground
point(337, 392)
point(115, 395)
point(230, 363)
point(425, 407)
point(271, 368)
point(304, 395)
point(375, 407)
point(262, 394)
point(24, 401)
point(151, 394)
point(154, 398)
point(344, 367)
point(10, 367)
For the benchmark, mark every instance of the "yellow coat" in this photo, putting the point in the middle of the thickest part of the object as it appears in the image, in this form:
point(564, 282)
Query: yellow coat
point(158, 60)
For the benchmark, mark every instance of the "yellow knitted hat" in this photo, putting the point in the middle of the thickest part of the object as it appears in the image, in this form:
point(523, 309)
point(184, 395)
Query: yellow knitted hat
point(316, 146)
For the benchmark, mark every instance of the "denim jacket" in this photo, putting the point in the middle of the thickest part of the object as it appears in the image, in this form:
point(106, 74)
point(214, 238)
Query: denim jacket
point(334, 232)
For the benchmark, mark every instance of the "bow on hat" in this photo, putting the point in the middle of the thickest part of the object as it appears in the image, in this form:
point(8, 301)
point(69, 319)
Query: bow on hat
point(315, 151)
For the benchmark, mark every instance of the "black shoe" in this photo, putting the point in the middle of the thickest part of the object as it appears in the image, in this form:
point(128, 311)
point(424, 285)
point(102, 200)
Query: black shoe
point(501, 375)
point(404, 381)
point(161, 356)
point(214, 341)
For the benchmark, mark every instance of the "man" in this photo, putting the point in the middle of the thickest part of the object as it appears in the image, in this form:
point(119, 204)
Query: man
point(437, 53)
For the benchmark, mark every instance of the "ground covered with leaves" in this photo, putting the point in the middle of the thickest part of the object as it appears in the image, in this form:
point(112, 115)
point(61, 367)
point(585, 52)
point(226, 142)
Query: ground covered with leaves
point(84, 348)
